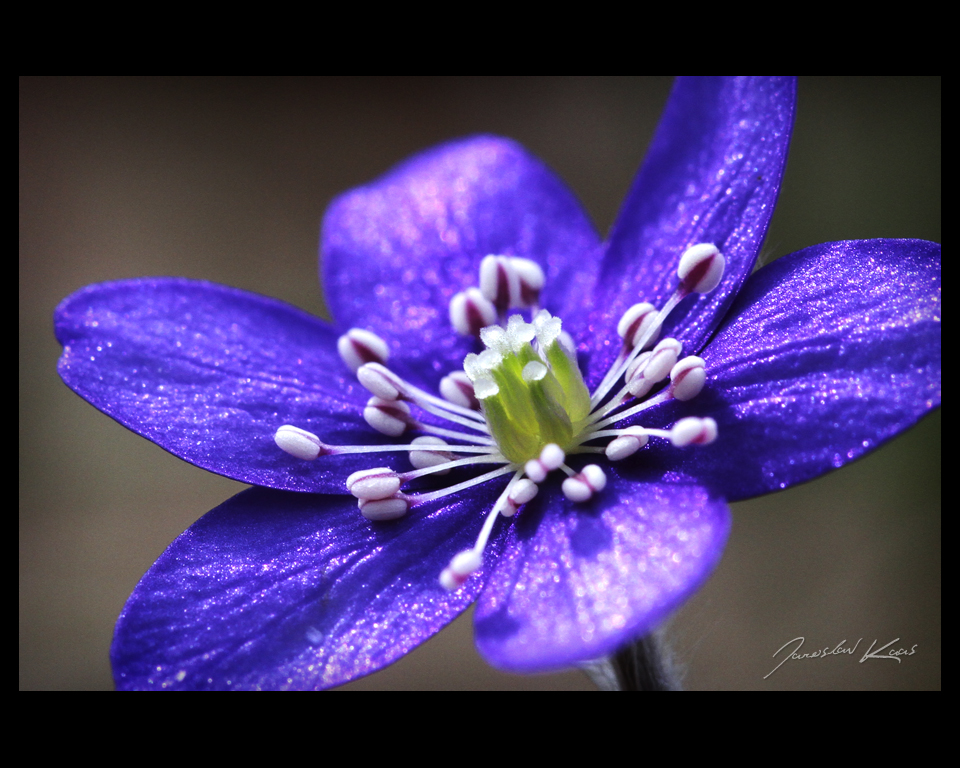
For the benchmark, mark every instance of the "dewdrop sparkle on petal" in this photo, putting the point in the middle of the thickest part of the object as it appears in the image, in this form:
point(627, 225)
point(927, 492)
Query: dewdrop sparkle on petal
point(520, 407)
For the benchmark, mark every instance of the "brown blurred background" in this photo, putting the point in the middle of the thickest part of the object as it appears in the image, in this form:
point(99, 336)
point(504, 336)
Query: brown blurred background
point(226, 180)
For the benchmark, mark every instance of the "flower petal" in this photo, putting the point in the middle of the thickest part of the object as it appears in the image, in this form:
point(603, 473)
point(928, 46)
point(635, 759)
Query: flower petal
point(827, 353)
point(209, 373)
point(712, 175)
point(577, 581)
point(280, 590)
point(396, 251)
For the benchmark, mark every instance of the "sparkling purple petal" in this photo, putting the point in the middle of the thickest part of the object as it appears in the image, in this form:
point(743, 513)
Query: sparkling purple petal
point(275, 590)
point(828, 353)
point(711, 175)
point(396, 251)
point(209, 373)
point(577, 581)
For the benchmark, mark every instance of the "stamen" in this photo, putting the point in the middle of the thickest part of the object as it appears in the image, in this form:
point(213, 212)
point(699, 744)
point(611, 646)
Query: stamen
point(637, 324)
point(628, 443)
point(523, 491)
point(430, 458)
point(467, 562)
point(701, 268)
point(582, 486)
point(693, 431)
point(461, 567)
point(358, 346)
point(551, 458)
point(390, 417)
point(531, 279)
point(379, 381)
point(374, 484)
point(687, 378)
point(471, 312)
point(458, 390)
point(500, 282)
point(299, 443)
point(383, 509)
point(649, 371)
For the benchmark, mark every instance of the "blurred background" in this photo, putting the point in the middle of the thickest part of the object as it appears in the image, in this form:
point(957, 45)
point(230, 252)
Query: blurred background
point(226, 180)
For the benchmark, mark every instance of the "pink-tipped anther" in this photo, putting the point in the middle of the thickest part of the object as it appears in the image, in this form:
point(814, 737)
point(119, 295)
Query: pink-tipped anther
point(299, 443)
point(500, 282)
point(637, 324)
point(430, 456)
point(358, 346)
point(701, 268)
point(462, 566)
point(582, 486)
point(374, 484)
point(631, 441)
point(383, 509)
point(551, 457)
point(531, 279)
point(522, 491)
point(457, 388)
point(648, 370)
point(471, 312)
point(379, 381)
point(693, 431)
point(687, 378)
point(389, 417)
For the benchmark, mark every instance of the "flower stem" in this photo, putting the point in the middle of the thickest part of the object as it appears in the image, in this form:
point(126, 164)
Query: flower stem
point(645, 665)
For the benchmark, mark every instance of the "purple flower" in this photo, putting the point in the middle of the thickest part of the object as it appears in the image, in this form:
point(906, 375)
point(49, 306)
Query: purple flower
point(824, 354)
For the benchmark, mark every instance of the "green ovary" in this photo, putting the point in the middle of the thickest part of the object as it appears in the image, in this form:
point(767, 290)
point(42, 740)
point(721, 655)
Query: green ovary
point(529, 399)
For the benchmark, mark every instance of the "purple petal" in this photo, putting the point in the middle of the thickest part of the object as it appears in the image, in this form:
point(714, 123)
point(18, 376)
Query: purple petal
point(279, 590)
point(712, 174)
point(396, 251)
point(827, 353)
point(577, 581)
point(209, 373)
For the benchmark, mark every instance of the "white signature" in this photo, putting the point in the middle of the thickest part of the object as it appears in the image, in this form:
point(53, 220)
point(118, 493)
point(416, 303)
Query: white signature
point(839, 650)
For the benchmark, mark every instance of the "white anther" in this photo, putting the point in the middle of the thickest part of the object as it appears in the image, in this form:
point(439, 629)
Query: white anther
point(358, 346)
point(461, 567)
point(582, 486)
point(298, 442)
point(531, 279)
point(374, 484)
point(701, 268)
point(383, 509)
point(533, 371)
point(387, 416)
point(687, 378)
point(430, 458)
point(693, 431)
point(551, 457)
point(457, 389)
point(500, 282)
point(631, 441)
point(636, 323)
point(547, 329)
point(655, 368)
point(523, 491)
point(379, 381)
point(484, 387)
point(466, 562)
point(470, 312)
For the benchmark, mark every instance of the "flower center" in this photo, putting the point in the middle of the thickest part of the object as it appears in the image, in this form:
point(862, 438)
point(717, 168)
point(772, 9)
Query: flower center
point(521, 404)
